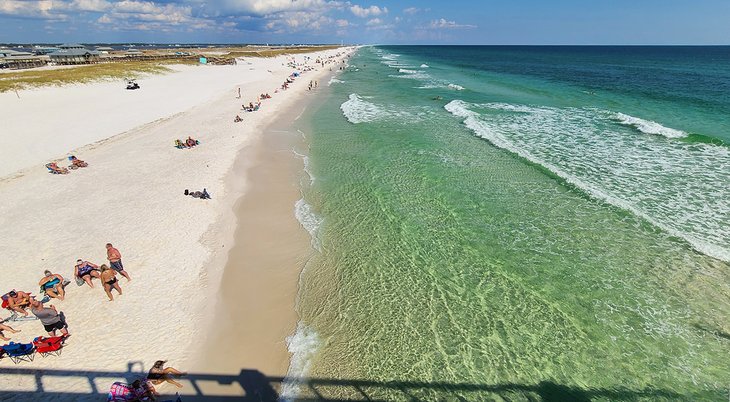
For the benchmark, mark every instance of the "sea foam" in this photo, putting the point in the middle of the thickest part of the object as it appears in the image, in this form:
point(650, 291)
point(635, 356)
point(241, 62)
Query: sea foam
point(309, 220)
point(680, 188)
point(648, 126)
point(357, 110)
point(302, 346)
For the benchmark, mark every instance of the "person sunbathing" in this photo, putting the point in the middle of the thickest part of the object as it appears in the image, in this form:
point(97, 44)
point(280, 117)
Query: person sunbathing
point(203, 195)
point(18, 301)
point(159, 374)
point(85, 271)
point(4, 328)
point(53, 167)
point(237, 119)
point(52, 284)
point(190, 142)
point(109, 281)
point(76, 162)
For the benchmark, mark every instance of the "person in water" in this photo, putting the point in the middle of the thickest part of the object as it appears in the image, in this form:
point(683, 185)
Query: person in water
point(52, 284)
point(109, 281)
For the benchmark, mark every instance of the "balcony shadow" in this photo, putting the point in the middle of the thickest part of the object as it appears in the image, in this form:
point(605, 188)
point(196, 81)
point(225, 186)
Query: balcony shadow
point(252, 385)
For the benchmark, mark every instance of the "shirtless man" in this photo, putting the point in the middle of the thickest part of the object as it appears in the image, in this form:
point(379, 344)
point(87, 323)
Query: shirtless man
point(115, 260)
point(19, 301)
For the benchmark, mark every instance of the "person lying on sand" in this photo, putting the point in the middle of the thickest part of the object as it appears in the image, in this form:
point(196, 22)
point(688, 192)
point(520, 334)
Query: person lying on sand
point(4, 328)
point(52, 284)
point(190, 142)
point(203, 195)
point(109, 281)
point(238, 119)
point(85, 271)
point(159, 374)
point(19, 301)
point(53, 168)
point(76, 162)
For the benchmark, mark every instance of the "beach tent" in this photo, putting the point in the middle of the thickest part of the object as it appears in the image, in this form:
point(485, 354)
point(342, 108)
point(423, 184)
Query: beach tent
point(203, 60)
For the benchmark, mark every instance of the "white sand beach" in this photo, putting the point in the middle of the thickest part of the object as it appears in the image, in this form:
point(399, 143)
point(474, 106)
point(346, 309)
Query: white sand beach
point(174, 247)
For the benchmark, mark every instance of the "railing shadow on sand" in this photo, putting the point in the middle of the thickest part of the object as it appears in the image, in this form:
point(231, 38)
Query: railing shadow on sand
point(252, 385)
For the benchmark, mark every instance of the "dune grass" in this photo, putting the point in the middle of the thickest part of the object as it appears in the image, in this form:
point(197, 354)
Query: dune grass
point(18, 80)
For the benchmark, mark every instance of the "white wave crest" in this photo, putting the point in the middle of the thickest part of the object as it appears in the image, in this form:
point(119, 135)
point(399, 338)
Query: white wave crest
point(424, 65)
point(357, 110)
point(302, 346)
point(648, 126)
point(309, 220)
point(456, 87)
point(407, 71)
point(678, 187)
point(334, 80)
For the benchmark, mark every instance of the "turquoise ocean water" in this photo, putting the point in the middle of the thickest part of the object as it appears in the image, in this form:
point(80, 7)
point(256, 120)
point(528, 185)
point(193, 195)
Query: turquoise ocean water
point(519, 223)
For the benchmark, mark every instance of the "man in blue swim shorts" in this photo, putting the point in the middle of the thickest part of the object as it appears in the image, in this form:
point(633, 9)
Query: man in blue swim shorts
point(115, 260)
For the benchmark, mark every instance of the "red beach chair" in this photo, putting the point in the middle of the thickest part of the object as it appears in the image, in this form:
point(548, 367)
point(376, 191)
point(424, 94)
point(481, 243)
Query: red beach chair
point(49, 346)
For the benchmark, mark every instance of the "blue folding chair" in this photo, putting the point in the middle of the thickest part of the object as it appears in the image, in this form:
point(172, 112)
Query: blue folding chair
point(20, 352)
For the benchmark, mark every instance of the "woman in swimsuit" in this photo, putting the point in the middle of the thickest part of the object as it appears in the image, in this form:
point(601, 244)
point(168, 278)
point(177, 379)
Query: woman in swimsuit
point(109, 280)
point(86, 271)
point(159, 374)
point(52, 284)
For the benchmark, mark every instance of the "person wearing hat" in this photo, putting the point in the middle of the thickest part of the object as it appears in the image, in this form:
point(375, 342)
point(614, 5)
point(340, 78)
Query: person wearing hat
point(52, 284)
point(18, 301)
point(50, 318)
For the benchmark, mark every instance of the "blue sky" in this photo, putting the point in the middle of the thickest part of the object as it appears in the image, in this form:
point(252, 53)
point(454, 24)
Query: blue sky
point(386, 21)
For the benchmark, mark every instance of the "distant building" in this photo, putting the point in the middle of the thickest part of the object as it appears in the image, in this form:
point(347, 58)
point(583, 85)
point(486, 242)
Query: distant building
point(74, 54)
point(133, 52)
point(14, 59)
point(104, 49)
point(41, 50)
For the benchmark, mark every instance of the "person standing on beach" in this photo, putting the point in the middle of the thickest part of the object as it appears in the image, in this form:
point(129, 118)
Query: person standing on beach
point(50, 318)
point(115, 260)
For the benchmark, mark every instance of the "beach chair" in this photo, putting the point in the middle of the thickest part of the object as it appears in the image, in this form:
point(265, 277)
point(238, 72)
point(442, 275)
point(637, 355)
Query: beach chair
point(14, 316)
point(54, 169)
point(49, 346)
point(20, 352)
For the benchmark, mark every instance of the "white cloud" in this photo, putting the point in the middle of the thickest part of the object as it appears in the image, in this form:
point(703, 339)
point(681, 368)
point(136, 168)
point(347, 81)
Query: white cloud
point(42, 9)
point(374, 21)
point(444, 24)
point(411, 10)
point(364, 12)
point(90, 5)
point(342, 23)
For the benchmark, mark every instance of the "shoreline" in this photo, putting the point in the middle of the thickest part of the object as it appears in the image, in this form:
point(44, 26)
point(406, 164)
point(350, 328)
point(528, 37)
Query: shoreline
point(260, 283)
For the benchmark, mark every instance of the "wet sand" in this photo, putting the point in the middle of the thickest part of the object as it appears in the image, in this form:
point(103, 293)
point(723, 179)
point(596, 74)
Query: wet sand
point(260, 283)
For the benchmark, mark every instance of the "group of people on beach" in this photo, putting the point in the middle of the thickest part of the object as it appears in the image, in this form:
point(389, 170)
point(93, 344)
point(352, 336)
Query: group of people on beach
point(75, 164)
point(143, 389)
point(188, 143)
point(53, 286)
